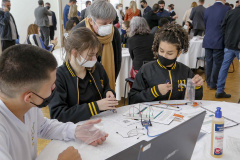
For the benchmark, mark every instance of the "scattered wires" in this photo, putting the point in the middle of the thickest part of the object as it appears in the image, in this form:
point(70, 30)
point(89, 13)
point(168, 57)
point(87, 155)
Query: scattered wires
point(133, 133)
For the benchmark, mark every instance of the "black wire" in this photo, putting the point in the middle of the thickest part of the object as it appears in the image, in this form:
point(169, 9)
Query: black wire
point(129, 134)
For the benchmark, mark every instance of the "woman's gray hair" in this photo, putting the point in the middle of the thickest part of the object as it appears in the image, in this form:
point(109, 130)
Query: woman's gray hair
point(101, 9)
point(138, 25)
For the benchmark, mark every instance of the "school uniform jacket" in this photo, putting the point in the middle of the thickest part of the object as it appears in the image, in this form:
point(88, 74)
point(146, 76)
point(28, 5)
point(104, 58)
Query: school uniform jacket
point(145, 86)
point(66, 106)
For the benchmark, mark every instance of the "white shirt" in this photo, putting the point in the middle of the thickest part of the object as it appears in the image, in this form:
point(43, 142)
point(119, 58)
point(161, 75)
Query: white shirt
point(18, 140)
point(50, 19)
point(119, 17)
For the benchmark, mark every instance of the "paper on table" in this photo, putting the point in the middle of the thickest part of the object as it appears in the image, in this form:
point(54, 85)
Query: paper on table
point(163, 116)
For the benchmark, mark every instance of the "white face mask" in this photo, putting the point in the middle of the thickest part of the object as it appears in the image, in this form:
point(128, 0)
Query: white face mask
point(104, 30)
point(85, 63)
point(185, 27)
point(66, 35)
point(120, 8)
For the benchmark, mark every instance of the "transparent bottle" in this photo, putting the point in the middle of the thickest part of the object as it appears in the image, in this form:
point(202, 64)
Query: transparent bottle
point(190, 91)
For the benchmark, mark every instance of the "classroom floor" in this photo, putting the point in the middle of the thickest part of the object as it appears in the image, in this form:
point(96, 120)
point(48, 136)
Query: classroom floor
point(232, 87)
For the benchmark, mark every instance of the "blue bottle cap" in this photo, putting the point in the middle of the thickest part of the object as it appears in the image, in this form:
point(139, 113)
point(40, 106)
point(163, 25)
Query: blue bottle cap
point(218, 113)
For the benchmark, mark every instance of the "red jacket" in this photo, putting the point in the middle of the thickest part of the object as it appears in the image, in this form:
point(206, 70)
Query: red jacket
point(129, 14)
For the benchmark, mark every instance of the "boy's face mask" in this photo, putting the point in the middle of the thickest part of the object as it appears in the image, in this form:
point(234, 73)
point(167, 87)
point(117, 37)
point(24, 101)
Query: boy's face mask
point(46, 101)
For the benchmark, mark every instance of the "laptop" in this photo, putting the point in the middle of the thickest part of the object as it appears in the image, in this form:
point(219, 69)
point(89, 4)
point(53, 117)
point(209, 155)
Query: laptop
point(175, 144)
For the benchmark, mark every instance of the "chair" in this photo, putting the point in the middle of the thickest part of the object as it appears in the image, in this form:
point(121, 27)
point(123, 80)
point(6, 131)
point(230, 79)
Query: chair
point(202, 59)
point(127, 80)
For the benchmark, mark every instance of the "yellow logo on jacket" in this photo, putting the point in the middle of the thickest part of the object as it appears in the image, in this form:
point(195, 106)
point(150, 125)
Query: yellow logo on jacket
point(181, 87)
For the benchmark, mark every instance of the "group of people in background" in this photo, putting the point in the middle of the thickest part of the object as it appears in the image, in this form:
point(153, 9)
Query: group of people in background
point(83, 86)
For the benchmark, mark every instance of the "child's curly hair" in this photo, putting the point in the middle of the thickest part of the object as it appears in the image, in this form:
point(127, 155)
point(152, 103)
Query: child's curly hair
point(172, 33)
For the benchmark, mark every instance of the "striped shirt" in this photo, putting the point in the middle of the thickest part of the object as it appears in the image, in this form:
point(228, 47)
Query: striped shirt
point(36, 40)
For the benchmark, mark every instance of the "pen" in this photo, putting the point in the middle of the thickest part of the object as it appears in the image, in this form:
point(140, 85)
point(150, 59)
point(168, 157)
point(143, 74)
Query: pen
point(173, 106)
point(157, 114)
point(167, 81)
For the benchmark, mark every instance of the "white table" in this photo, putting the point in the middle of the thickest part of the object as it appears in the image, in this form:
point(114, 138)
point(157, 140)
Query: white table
point(124, 73)
point(195, 50)
point(116, 143)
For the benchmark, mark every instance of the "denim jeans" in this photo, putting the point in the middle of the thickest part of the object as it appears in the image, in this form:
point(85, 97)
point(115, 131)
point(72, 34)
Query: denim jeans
point(228, 58)
point(214, 59)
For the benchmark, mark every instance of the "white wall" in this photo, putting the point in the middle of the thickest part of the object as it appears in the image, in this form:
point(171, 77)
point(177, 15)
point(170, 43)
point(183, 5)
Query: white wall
point(180, 5)
point(23, 13)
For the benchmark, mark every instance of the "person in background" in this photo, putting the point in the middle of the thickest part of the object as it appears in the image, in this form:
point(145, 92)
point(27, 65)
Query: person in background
point(82, 84)
point(41, 19)
point(160, 79)
point(72, 15)
point(236, 4)
point(172, 13)
point(232, 6)
point(8, 28)
point(66, 11)
point(70, 24)
point(213, 41)
point(151, 17)
point(227, 4)
point(140, 44)
point(126, 8)
point(161, 23)
point(52, 21)
point(132, 11)
point(196, 16)
point(188, 27)
point(125, 33)
point(83, 12)
point(120, 14)
point(162, 12)
point(35, 39)
point(100, 22)
point(146, 8)
point(230, 28)
point(188, 13)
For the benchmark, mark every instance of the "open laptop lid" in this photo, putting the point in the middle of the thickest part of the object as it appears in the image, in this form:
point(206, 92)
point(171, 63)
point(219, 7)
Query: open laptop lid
point(175, 144)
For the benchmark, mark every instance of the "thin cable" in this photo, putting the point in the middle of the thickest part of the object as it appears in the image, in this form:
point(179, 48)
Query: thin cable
point(149, 135)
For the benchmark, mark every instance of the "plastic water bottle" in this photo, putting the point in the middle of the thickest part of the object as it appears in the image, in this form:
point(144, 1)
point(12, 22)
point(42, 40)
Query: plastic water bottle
point(190, 91)
point(217, 134)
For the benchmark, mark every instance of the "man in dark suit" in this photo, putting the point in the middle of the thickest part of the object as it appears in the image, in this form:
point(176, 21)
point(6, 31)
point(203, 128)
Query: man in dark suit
point(213, 41)
point(8, 28)
point(52, 21)
point(41, 15)
point(230, 28)
point(145, 6)
point(83, 12)
point(151, 17)
point(197, 19)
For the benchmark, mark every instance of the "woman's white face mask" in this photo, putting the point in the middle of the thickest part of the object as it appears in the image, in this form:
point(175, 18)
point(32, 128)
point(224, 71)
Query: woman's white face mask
point(104, 30)
point(185, 27)
point(85, 63)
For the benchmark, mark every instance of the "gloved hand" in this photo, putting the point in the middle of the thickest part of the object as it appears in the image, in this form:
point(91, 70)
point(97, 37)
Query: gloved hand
point(90, 134)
